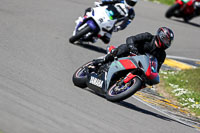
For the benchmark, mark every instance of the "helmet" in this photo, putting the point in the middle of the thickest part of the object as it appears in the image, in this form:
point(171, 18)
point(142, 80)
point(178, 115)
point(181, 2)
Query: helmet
point(130, 3)
point(164, 37)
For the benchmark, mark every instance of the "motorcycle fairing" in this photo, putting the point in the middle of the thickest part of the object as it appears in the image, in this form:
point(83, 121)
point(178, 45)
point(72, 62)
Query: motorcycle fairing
point(102, 18)
point(147, 67)
point(92, 25)
point(152, 73)
point(153, 77)
point(120, 65)
point(97, 82)
point(98, 19)
point(128, 64)
point(89, 21)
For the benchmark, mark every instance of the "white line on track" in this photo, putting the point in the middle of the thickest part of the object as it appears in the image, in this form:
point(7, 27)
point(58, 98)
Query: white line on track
point(164, 112)
point(182, 58)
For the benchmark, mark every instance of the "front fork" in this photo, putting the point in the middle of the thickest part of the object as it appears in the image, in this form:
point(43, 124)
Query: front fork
point(129, 77)
point(136, 72)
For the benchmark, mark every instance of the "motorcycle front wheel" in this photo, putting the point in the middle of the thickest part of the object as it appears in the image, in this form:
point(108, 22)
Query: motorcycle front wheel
point(80, 76)
point(80, 34)
point(118, 93)
point(170, 12)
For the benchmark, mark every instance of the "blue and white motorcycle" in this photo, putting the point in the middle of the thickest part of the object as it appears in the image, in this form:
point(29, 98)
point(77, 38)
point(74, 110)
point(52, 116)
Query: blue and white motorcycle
point(96, 23)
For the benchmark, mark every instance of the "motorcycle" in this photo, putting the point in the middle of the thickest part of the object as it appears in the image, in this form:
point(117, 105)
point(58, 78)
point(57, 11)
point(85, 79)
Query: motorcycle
point(119, 79)
point(182, 9)
point(96, 23)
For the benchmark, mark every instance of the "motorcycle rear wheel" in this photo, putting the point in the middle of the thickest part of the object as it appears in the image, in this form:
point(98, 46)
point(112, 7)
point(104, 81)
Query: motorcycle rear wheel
point(80, 34)
point(80, 76)
point(170, 12)
point(134, 85)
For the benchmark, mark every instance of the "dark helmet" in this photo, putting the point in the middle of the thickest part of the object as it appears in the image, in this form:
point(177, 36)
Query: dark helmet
point(164, 37)
point(130, 3)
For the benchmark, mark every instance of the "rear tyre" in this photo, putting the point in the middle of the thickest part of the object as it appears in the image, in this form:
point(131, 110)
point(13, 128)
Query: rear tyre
point(114, 93)
point(170, 12)
point(81, 33)
point(80, 76)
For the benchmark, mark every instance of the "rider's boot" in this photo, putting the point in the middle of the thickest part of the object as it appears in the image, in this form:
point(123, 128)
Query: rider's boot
point(89, 9)
point(94, 39)
point(98, 62)
point(106, 38)
point(108, 58)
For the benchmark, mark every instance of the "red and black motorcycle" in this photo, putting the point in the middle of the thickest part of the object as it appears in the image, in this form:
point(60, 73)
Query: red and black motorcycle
point(182, 9)
point(119, 79)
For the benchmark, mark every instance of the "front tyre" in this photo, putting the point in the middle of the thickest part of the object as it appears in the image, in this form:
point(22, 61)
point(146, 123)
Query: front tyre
point(170, 12)
point(80, 34)
point(80, 76)
point(116, 93)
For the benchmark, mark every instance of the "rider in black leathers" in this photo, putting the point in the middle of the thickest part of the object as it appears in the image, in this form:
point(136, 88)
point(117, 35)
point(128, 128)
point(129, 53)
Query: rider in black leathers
point(143, 43)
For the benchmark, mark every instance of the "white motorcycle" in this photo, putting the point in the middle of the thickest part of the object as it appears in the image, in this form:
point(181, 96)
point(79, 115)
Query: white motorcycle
point(98, 22)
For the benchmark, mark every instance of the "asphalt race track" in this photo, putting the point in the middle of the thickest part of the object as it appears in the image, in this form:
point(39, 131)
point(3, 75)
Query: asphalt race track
point(37, 63)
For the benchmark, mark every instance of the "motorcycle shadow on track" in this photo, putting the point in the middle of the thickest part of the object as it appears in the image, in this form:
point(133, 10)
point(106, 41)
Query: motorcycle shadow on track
point(135, 108)
point(138, 109)
point(190, 23)
point(91, 47)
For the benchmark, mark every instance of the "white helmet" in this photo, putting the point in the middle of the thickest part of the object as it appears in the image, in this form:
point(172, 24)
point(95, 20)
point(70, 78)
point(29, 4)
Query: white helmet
point(130, 3)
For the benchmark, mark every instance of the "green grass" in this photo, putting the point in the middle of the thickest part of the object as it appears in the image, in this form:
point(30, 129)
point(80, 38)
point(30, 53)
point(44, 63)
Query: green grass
point(168, 2)
point(184, 86)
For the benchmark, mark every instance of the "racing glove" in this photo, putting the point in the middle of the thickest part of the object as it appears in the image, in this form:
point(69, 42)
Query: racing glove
point(133, 49)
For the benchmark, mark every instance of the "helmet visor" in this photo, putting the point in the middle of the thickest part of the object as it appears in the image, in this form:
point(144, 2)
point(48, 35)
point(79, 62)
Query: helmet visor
point(164, 39)
point(130, 2)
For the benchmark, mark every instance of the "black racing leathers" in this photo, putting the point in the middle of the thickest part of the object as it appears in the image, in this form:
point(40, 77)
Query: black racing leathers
point(142, 43)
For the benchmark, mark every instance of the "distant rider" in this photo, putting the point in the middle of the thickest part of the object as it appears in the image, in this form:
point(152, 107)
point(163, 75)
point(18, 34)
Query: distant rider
point(196, 5)
point(143, 43)
point(123, 16)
